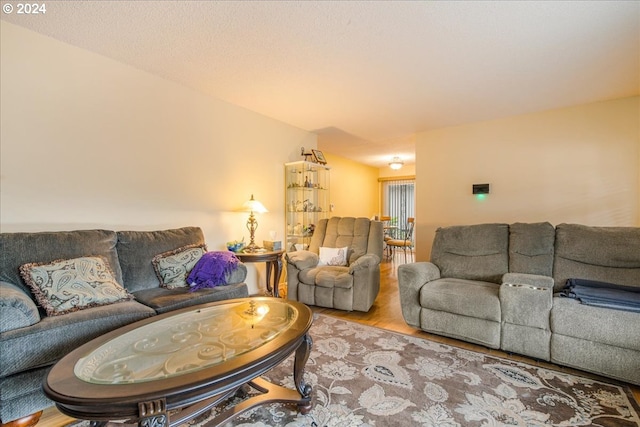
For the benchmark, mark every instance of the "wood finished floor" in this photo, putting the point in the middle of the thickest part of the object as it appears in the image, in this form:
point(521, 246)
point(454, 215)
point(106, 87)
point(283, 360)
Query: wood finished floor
point(386, 314)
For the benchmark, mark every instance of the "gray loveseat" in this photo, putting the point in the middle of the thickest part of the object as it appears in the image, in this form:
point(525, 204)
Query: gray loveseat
point(499, 285)
point(31, 342)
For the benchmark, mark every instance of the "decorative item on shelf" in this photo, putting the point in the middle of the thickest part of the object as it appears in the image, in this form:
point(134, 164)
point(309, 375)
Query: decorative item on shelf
point(308, 230)
point(308, 157)
point(319, 157)
point(252, 206)
point(396, 163)
point(306, 200)
point(307, 206)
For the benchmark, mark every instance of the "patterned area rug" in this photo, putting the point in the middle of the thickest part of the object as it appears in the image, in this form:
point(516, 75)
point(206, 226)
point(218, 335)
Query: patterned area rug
point(364, 376)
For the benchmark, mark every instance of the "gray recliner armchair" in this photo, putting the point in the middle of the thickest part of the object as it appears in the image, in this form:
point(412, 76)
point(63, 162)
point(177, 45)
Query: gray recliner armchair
point(351, 286)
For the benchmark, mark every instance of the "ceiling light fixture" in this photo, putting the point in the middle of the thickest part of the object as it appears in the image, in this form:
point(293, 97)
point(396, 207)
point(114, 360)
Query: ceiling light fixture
point(396, 163)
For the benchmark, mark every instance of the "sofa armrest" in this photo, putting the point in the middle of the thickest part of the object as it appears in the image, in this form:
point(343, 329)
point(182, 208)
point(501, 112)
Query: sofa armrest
point(526, 299)
point(236, 276)
point(365, 261)
point(525, 304)
point(296, 262)
point(302, 259)
point(17, 309)
point(411, 278)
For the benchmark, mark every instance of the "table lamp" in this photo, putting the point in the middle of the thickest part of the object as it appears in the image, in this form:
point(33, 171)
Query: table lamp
point(253, 206)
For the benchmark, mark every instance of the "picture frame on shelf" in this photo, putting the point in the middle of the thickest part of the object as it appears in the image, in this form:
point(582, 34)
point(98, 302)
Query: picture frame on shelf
point(319, 157)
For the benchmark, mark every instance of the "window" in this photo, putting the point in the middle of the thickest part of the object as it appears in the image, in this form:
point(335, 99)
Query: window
point(398, 202)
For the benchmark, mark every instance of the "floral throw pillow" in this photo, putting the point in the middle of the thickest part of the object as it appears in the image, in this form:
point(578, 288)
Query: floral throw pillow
point(173, 267)
point(64, 286)
point(333, 256)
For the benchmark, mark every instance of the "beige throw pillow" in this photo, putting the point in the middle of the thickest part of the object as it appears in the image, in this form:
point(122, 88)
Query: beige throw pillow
point(333, 256)
point(173, 267)
point(64, 286)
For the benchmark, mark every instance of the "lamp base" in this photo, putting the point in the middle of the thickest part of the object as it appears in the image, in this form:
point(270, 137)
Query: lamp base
point(252, 247)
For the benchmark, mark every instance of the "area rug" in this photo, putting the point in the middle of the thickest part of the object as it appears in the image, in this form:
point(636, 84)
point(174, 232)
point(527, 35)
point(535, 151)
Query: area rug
point(365, 376)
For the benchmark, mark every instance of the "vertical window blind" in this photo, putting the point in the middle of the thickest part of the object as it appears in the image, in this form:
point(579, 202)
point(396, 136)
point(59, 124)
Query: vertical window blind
point(398, 202)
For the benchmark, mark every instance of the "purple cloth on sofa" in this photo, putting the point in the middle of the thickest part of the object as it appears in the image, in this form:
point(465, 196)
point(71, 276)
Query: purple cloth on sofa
point(212, 268)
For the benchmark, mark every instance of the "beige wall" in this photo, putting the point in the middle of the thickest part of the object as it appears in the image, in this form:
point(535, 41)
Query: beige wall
point(575, 165)
point(354, 187)
point(88, 142)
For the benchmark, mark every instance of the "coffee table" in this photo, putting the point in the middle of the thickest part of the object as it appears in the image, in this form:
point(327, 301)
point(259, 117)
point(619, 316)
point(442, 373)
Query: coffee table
point(167, 369)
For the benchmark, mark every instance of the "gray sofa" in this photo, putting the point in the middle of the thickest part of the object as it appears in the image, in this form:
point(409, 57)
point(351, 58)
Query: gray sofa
point(499, 285)
point(31, 342)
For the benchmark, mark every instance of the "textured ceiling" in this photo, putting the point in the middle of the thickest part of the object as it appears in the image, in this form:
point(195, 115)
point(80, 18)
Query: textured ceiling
point(366, 76)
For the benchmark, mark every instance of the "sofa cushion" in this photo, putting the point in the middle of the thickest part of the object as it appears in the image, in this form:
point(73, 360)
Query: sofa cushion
point(573, 319)
point(474, 252)
point(466, 297)
point(173, 267)
point(136, 250)
point(163, 300)
point(531, 248)
point(64, 286)
point(47, 341)
point(327, 277)
point(22, 248)
point(17, 309)
point(606, 254)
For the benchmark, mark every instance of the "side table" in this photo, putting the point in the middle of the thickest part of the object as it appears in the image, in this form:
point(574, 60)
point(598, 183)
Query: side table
point(273, 259)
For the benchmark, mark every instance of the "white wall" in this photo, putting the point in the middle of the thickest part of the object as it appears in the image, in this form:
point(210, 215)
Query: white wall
point(87, 142)
point(575, 165)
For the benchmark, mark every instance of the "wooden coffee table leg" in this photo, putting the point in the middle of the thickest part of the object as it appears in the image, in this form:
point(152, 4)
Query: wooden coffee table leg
point(305, 390)
point(153, 414)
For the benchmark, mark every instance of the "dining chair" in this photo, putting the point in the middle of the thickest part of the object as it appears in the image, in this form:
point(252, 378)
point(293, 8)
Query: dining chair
point(406, 243)
point(386, 227)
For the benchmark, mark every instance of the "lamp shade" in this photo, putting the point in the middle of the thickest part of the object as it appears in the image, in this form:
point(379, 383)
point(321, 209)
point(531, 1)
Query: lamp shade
point(396, 163)
point(253, 205)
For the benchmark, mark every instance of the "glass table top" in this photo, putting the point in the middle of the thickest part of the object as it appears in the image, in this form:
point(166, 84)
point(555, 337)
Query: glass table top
point(186, 342)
